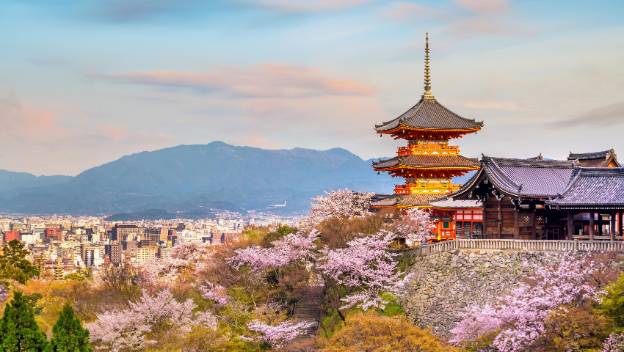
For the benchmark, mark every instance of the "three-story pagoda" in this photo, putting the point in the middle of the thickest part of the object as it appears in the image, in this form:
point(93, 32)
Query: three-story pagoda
point(428, 163)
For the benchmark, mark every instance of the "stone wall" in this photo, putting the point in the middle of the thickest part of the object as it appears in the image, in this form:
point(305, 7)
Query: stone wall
point(446, 283)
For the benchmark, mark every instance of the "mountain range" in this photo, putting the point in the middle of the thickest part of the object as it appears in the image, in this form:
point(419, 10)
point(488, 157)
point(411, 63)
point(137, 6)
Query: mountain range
point(190, 180)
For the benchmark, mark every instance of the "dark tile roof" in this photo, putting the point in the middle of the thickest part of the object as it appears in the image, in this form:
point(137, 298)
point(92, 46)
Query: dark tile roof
point(427, 161)
point(408, 200)
point(429, 114)
point(595, 159)
point(593, 187)
point(534, 178)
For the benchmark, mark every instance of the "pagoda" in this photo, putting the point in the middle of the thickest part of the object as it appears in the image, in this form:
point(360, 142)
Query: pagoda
point(427, 163)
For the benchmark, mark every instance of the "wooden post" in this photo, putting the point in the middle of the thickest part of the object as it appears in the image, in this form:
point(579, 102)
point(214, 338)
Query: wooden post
point(533, 229)
point(591, 226)
point(620, 226)
point(516, 225)
point(612, 226)
point(484, 219)
point(500, 218)
point(570, 225)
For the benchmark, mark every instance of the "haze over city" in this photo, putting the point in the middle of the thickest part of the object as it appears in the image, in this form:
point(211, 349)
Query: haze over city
point(90, 81)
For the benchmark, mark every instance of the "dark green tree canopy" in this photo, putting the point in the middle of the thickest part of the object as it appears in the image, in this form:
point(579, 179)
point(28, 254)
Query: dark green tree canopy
point(14, 265)
point(20, 331)
point(68, 335)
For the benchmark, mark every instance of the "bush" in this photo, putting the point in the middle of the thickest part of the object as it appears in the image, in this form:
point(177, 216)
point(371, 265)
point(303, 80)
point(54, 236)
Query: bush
point(371, 332)
point(336, 232)
point(612, 304)
point(573, 329)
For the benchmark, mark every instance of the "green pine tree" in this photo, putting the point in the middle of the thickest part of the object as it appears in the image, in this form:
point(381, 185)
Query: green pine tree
point(68, 335)
point(14, 264)
point(20, 332)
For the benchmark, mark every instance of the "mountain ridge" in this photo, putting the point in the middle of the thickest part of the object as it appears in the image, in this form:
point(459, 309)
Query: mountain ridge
point(185, 177)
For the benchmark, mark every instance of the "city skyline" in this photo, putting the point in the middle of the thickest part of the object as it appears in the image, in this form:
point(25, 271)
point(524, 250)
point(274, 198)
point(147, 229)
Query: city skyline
point(87, 82)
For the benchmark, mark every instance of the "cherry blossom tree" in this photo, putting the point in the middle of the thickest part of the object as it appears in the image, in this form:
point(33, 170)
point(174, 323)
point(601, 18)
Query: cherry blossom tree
point(519, 315)
point(614, 343)
point(278, 335)
point(291, 248)
point(214, 292)
point(126, 329)
point(415, 226)
point(342, 203)
point(365, 266)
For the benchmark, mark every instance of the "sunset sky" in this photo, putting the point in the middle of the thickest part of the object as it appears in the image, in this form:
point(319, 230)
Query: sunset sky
point(85, 82)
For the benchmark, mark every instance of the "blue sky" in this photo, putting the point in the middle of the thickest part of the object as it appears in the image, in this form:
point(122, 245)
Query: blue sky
point(84, 82)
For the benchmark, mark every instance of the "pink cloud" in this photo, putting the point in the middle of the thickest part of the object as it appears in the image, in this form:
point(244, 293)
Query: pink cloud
point(308, 5)
point(488, 6)
point(259, 81)
point(24, 121)
point(405, 11)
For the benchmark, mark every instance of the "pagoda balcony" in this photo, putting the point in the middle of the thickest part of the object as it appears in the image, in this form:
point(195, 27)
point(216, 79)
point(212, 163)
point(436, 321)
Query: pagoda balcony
point(428, 149)
point(426, 188)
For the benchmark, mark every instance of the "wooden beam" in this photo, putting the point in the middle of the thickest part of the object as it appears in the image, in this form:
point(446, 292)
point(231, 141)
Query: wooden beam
point(599, 224)
point(516, 225)
point(500, 218)
point(612, 225)
point(533, 226)
point(620, 225)
point(591, 226)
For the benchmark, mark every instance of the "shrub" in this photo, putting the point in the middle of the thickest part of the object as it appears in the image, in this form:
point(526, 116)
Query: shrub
point(370, 332)
point(572, 329)
point(612, 303)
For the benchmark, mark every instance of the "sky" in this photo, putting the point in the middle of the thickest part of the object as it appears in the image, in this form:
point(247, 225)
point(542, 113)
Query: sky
point(84, 82)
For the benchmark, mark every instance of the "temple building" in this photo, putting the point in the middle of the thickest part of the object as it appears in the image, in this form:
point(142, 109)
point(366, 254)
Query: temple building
point(427, 163)
point(607, 158)
point(548, 199)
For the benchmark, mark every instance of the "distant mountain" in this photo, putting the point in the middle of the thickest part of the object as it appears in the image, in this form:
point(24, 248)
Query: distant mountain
point(13, 181)
point(191, 179)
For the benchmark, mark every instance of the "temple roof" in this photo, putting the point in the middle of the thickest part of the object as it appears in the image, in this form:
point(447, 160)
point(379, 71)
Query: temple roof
point(533, 178)
point(407, 200)
point(451, 203)
point(427, 161)
point(430, 115)
point(596, 159)
point(593, 187)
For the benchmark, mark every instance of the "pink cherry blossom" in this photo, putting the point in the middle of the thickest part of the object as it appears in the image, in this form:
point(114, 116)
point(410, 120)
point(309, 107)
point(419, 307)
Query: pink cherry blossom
point(365, 266)
point(520, 314)
point(342, 203)
point(278, 335)
point(214, 292)
point(415, 226)
point(615, 343)
point(291, 248)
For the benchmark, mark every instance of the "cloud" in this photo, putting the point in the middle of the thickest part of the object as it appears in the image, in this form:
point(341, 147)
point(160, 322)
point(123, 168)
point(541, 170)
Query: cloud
point(494, 105)
point(306, 5)
point(22, 121)
point(259, 81)
point(402, 11)
point(484, 6)
point(609, 115)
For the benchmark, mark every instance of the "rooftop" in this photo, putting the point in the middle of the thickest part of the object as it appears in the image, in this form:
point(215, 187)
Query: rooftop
point(427, 161)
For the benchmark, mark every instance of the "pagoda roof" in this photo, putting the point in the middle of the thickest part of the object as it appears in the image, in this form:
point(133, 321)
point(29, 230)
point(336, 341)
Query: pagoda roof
point(427, 162)
point(596, 159)
point(531, 178)
point(429, 115)
point(407, 200)
point(450, 203)
point(593, 188)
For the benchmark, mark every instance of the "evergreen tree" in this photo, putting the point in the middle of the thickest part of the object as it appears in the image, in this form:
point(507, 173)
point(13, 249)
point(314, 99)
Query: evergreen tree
point(20, 332)
point(68, 335)
point(13, 263)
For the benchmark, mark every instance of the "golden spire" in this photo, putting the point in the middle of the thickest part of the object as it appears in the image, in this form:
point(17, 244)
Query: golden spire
point(427, 94)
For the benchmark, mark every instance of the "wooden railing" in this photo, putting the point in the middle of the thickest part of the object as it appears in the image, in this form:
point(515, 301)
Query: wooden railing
point(521, 245)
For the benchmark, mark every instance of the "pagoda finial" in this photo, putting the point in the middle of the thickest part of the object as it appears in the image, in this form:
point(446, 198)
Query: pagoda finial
point(427, 94)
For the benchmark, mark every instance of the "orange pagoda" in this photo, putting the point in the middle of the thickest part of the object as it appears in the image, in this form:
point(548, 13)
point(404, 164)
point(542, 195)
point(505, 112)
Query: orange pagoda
point(427, 163)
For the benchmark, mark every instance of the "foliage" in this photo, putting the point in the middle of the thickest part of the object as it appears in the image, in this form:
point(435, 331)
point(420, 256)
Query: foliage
point(13, 263)
point(342, 203)
point(335, 232)
point(68, 335)
point(370, 332)
point(612, 303)
point(214, 292)
point(278, 335)
point(121, 279)
point(331, 322)
point(128, 328)
point(279, 233)
point(20, 331)
point(572, 328)
point(520, 315)
point(366, 267)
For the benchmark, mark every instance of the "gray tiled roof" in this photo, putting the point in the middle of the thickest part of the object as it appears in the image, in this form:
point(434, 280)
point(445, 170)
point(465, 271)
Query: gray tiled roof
point(429, 114)
point(595, 159)
point(457, 203)
point(593, 187)
point(407, 200)
point(423, 161)
point(529, 177)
